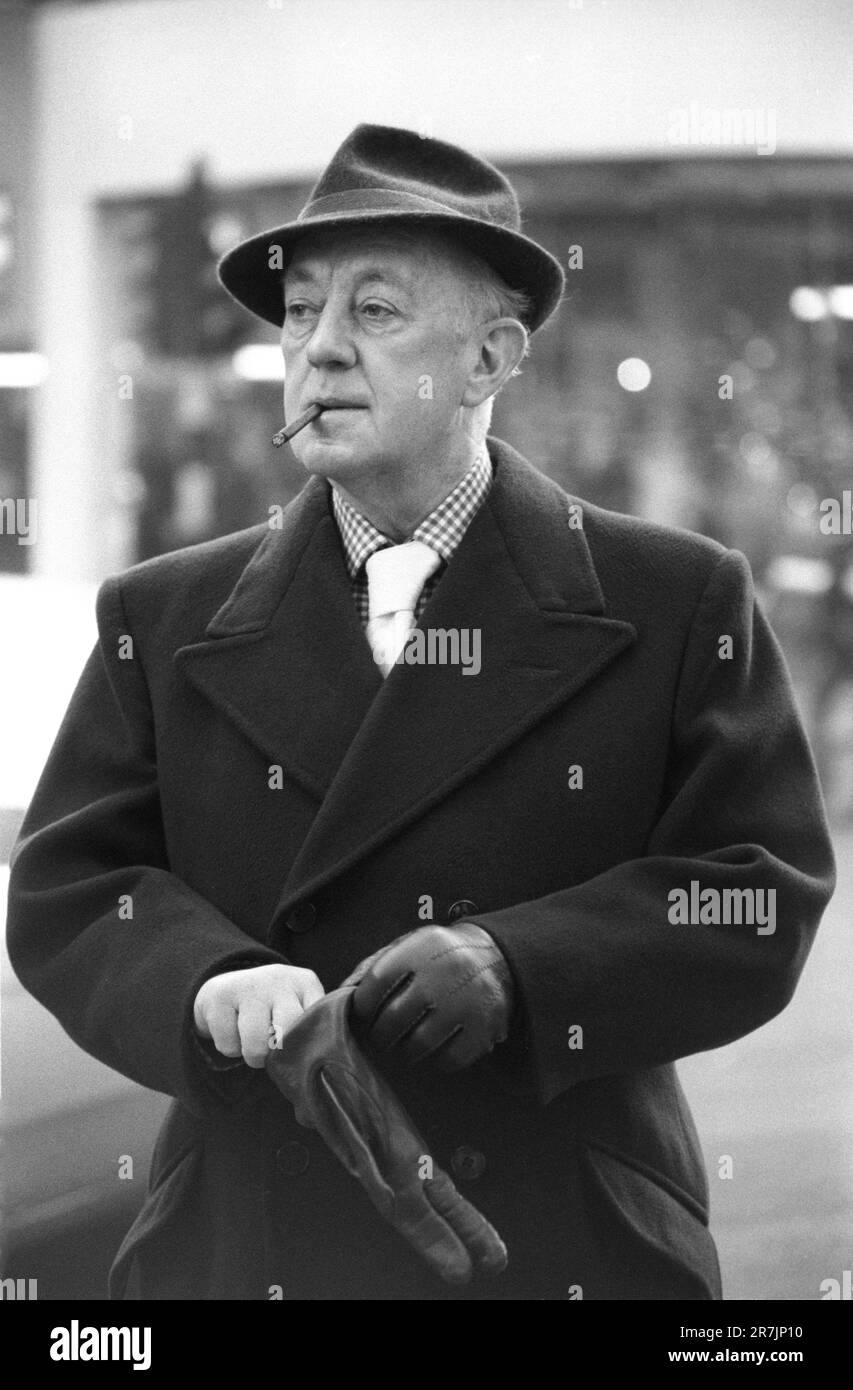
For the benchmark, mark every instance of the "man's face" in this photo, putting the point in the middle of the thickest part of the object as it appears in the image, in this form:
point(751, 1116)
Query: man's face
point(372, 325)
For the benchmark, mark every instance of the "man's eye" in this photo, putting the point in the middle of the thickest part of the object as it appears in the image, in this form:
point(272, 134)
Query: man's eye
point(298, 311)
point(373, 310)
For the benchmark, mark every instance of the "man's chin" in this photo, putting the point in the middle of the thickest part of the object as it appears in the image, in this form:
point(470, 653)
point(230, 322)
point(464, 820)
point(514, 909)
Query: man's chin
point(329, 458)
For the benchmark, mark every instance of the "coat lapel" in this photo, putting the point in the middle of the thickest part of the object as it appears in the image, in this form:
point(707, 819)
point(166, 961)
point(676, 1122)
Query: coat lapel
point(523, 577)
point(285, 657)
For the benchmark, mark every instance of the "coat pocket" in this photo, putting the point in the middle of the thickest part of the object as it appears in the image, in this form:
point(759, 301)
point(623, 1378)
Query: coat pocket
point(659, 1214)
point(161, 1255)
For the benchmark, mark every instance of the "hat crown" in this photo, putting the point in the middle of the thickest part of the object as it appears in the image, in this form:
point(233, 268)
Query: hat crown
point(393, 160)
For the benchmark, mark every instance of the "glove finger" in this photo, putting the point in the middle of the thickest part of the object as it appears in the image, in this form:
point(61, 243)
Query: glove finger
point(449, 1051)
point(350, 1143)
point(481, 1240)
point(461, 1047)
point(409, 1212)
point(358, 973)
point(405, 1026)
point(383, 988)
point(434, 1238)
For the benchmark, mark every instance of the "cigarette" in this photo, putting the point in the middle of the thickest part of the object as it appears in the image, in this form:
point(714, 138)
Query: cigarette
point(299, 424)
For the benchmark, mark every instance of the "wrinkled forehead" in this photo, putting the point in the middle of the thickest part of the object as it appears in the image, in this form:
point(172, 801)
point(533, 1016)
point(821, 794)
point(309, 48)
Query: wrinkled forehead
point(396, 254)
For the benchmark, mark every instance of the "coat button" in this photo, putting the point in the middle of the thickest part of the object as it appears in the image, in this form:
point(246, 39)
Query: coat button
point(301, 918)
point(463, 908)
point(467, 1163)
point(292, 1159)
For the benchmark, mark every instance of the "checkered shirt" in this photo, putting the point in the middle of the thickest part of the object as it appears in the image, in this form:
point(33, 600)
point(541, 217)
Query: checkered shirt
point(443, 529)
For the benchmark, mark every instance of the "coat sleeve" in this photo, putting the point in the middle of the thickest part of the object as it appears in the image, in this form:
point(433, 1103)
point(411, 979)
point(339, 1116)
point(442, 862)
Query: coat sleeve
point(91, 852)
point(742, 809)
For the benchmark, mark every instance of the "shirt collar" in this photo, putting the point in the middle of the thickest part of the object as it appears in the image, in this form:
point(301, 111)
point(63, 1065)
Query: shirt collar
point(442, 529)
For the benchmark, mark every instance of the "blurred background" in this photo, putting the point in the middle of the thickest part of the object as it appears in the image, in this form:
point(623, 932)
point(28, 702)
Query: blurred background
point(690, 162)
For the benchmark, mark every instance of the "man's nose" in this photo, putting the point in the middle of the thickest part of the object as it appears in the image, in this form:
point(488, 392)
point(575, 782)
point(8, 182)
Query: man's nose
point(331, 341)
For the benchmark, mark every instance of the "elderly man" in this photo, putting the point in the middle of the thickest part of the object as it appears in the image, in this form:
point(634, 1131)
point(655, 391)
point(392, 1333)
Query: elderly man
point(473, 909)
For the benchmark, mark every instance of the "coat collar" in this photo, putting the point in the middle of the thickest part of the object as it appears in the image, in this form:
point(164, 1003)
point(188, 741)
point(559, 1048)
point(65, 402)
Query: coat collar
point(286, 659)
point(550, 554)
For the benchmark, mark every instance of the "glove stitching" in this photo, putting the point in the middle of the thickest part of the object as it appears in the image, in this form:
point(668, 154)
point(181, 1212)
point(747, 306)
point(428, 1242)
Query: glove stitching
point(468, 979)
point(467, 946)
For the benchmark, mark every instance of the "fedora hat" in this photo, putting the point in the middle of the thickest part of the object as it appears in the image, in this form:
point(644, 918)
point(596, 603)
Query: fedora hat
point(382, 174)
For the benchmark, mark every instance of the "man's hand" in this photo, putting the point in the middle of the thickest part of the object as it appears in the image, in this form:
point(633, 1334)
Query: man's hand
point(442, 994)
point(334, 1089)
point(245, 1012)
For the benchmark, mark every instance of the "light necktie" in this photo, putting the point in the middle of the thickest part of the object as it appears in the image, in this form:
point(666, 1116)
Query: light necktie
point(395, 578)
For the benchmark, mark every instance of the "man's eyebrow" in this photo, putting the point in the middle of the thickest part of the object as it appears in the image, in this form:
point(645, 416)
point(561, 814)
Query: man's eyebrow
point(298, 277)
point(384, 273)
point(370, 274)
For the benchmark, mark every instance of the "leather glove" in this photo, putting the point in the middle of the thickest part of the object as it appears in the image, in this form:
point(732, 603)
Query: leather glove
point(334, 1090)
point(439, 994)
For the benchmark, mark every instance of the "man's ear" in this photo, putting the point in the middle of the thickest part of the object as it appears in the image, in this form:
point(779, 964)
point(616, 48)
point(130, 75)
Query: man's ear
point(503, 343)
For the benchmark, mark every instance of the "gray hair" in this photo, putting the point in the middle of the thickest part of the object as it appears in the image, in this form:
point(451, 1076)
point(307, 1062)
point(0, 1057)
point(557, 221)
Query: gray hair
point(488, 296)
point(485, 296)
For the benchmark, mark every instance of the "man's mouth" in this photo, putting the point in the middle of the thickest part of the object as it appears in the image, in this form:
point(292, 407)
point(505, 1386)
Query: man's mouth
point(336, 404)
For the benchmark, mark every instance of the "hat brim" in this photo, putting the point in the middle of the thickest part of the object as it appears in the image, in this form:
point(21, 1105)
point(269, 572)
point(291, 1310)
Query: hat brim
point(248, 276)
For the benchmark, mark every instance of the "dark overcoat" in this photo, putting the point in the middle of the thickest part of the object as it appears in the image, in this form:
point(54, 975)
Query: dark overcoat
point(246, 777)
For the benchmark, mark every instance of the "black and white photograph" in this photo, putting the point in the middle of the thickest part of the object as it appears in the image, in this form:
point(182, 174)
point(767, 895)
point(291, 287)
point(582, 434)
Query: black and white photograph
point(426, 633)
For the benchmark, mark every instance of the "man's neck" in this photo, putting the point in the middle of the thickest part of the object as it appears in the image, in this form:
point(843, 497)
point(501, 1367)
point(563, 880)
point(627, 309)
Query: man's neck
point(397, 502)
